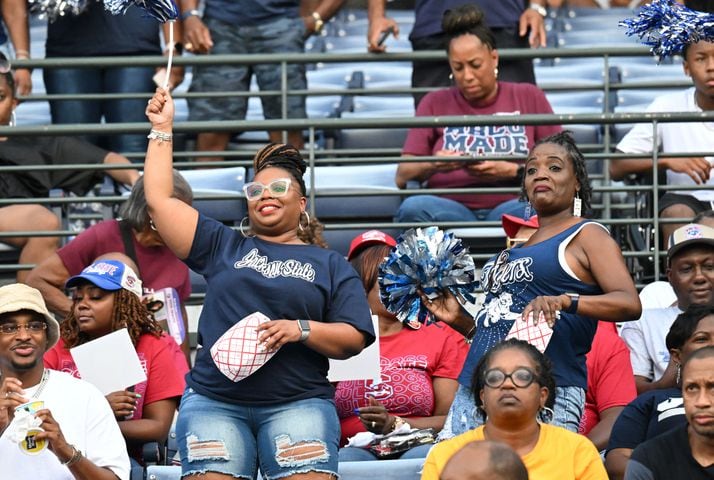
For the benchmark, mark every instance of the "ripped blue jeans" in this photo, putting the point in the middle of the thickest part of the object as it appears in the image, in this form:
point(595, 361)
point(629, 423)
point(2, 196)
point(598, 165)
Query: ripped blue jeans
point(284, 439)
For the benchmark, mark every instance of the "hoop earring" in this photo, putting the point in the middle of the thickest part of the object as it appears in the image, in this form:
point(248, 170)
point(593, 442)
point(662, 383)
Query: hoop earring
point(495, 72)
point(451, 76)
point(13, 119)
point(151, 224)
point(307, 216)
point(546, 415)
point(242, 231)
point(577, 205)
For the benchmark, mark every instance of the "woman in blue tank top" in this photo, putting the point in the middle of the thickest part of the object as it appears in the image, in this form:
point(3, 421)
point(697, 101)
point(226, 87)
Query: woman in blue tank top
point(570, 273)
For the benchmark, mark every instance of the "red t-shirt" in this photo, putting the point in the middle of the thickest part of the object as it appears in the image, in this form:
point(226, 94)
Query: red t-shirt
point(611, 382)
point(511, 99)
point(159, 267)
point(409, 361)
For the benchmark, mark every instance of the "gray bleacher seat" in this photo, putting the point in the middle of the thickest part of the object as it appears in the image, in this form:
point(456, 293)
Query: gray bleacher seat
point(569, 75)
point(371, 138)
point(378, 103)
point(627, 98)
point(357, 180)
point(571, 100)
point(338, 76)
point(657, 74)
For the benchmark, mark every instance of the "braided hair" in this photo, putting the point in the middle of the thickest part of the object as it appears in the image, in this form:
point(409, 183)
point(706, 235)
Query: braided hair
point(288, 158)
point(129, 312)
point(565, 139)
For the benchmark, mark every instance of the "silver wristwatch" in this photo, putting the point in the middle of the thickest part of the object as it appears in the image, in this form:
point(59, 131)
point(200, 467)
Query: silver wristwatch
point(304, 327)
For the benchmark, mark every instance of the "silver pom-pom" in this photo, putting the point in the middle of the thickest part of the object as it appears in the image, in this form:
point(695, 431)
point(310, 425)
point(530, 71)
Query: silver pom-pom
point(429, 260)
point(161, 10)
point(667, 27)
point(53, 9)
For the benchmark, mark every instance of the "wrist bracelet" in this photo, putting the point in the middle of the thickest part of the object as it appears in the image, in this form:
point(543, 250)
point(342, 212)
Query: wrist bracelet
point(76, 457)
point(469, 337)
point(160, 136)
point(22, 54)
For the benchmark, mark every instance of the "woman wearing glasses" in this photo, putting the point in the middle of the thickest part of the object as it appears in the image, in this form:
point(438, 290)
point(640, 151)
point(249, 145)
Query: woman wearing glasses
point(569, 273)
point(282, 416)
point(514, 387)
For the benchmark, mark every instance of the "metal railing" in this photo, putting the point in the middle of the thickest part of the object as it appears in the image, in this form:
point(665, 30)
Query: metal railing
point(321, 156)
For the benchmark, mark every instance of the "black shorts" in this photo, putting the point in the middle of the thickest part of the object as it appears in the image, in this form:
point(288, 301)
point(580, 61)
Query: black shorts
point(669, 199)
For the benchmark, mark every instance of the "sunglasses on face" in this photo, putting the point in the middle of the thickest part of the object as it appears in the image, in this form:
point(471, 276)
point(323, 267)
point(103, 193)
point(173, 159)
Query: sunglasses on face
point(521, 377)
point(13, 328)
point(277, 188)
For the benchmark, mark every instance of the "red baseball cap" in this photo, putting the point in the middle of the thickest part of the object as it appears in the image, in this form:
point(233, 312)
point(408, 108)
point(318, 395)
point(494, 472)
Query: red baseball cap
point(370, 237)
point(511, 224)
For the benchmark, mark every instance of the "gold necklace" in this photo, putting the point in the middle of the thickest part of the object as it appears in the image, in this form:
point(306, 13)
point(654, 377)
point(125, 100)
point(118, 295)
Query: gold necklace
point(43, 383)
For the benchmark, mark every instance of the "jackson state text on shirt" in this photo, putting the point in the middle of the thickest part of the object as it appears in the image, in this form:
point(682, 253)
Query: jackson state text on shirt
point(282, 268)
point(486, 139)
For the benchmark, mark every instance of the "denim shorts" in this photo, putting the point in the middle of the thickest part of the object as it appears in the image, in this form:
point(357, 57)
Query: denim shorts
point(464, 415)
point(285, 35)
point(285, 439)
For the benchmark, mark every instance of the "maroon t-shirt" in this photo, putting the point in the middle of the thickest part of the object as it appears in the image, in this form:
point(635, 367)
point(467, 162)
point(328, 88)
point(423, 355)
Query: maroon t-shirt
point(158, 266)
point(511, 99)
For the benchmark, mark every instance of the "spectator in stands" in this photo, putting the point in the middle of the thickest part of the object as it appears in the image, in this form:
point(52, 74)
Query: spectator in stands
point(478, 91)
point(658, 411)
point(83, 439)
point(313, 298)
point(690, 270)
point(515, 24)
point(484, 460)
point(678, 137)
point(107, 297)
point(589, 281)
point(14, 16)
point(33, 151)
point(611, 384)
point(419, 366)
point(685, 451)
point(513, 385)
point(96, 32)
point(225, 27)
point(134, 235)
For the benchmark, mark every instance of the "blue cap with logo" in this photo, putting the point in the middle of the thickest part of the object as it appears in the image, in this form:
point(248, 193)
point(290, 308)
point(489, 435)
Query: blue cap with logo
point(110, 275)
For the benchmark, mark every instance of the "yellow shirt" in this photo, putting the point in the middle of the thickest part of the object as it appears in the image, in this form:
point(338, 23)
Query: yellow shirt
point(559, 454)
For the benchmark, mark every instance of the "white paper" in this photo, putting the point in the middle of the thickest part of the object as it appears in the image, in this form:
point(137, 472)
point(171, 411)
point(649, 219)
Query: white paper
point(110, 363)
point(364, 366)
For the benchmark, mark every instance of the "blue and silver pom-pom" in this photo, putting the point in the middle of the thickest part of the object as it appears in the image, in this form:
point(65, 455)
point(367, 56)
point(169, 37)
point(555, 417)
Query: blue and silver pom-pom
point(667, 27)
point(53, 9)
point(161, 10)
point(425, 259)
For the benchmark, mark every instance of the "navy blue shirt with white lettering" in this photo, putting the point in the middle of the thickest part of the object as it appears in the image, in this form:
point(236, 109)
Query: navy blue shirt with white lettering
point(647, 416)
point(247, 275)
point(521, 274)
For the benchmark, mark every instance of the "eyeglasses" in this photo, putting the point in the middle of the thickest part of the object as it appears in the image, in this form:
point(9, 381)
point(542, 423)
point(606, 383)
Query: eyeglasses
point(13, 328)
point(521, 377)
point(277, 188)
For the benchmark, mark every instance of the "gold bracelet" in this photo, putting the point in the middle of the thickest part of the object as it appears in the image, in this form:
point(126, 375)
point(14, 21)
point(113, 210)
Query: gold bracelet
point(76, 457)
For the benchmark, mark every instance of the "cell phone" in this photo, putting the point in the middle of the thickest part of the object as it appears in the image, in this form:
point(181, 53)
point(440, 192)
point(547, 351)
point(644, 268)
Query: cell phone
point(383, 36)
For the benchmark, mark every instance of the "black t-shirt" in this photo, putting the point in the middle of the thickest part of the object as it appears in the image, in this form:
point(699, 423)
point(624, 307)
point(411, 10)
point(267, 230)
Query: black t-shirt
point(667, 456)
point(32, 151)
point(97, 32)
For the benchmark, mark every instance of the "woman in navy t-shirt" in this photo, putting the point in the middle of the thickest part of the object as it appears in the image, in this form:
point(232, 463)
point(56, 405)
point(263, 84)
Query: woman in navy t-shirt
point(282, 416)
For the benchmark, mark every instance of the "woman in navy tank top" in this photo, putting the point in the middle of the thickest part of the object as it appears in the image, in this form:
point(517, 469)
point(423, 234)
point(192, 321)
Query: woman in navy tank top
point(570, 273)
